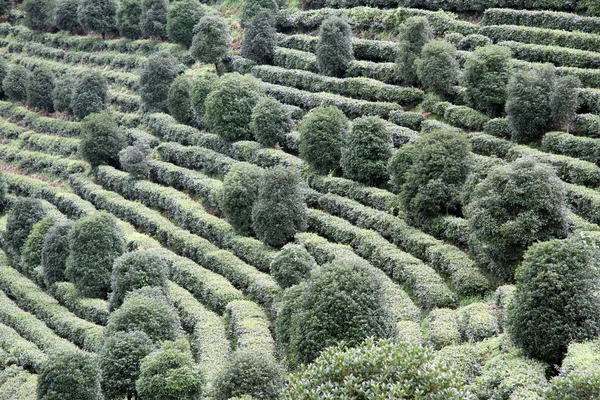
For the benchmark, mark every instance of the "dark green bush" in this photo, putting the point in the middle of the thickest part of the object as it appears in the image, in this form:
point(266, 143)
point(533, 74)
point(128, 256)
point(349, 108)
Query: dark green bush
point(22, 216)
point(555, 301)
point(270, 122)
point(211, 41)
point(66, 15)
point(279, 211)
point(40, 87)
point(5, 6)
point(31, 253)
point(62, 95)
point(565, 101)
point(414, 33)
point(260, 39)
point(101, 140)
point(471, 42)
point(182, 17)
point(334, 49)
point(250, 373)
point(55, 251)
point(134, 270)
point(3, 73)
point(120, 359)
point(94, 244)
point(97, 15)
point(39, 14)
point(200, 89)
point(228, 108)
point(129, 14)
point(292, 265)
point(69, 374)
point(153, 20)
point(14, 83)
point(322, 136)
point(133, 160)
point(367, 151)
point(158, 73)
point(251, 8)
point(3, 190)
point(437, 68)
point(240, 191)
point(579, 377)
point(513, 207)
point(90, 95)
point(178, 100)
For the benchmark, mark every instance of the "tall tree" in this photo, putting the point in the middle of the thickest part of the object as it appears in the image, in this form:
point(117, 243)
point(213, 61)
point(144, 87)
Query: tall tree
point(97, 15)
point(334, 48)
point(415, 32)
point(211, 41)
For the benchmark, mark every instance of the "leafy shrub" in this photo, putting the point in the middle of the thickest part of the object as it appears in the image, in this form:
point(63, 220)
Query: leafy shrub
point(101, 140)
point(228, 108)
point(211, 41)
point(14, 83)
point(334, 49)
point(292, 265)
point(279, 211)
point(39, 88)
point(66, 15)
point(2, 193)
point(22, 216)
point(367, 151)
point(5, 6)
point(134, 270)
point(55, 251)
point(565, 101)
point(153, 20)
point(97, 15)
point(579, 376)
point(133, 160)
point(94, 243)
point(182, 17)
point(62, 95)
point(514, 206)
point(240, 191)
point(471, 42)
point(90, 95)
point(270, 122)
point(120, 359)
point(178, 100)
point(437, 68)
point(3, 72)
point(155, 80)
point(31, 254)
point(69, 374)
point(200, 89)
point(251, 8)
point(128, 18)
point(250, 373)
point(39, 14)
point(414, 33)
point(322, 136)
point(555, 301)
point(260, 39)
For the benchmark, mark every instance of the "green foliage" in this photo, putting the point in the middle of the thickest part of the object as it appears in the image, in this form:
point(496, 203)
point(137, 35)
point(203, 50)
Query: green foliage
point(158, 73)
point(153, 20)
point(178, 100)
point(170, 374)
point(334, 49)
point(39, 14)
point(342, 300)
point(133, 160)
point(579, 376)
point(22, 216)
point(134, 270)
point(3, 72)
point(565, 101)
point(414, 33)
point(513, 207)
point(228, 108)
point(94, 244)
point(69, 374)
point(147, 310)
point(31, 254)
point(270, 122)
point(101, 140)
point(120, 359)
point(5, 6)
point(97, 15)
point(90, 95)
point(240, 191)
point(438, 167)
point(14, 83)
point(260, 39)
point(251, 8)
point(322, 137)
point(250, 373)
point(129, 14)
point(200, 89)
point(292, 265)
point(62, 95)
point(391, 370)
point(438, 69)
point(211, 41)
point(367, 151)
point(486, 75)
point(279, 211)
point(556, 299)
point(39, 88)
point(55, 251)
point(66, 15)
point(2, 193)
point(182, 17)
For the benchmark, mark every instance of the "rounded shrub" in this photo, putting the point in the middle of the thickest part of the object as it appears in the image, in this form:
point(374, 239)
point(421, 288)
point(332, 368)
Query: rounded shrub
point(90, 95)
point(240, 191)
point(31, 254)
point(133, 160)
point(129, 14)
point(97, 15)
point(342, 300)
point(292, 265)
point(55, 251)
point(95, 242)
point(66, 15)
point(322, 136)
point(69, 374)
point(211, 41)
point(367, 151)
point(182, 17)
point(14, 83)
point(62, 95)
point(260, 39)
point(579, 376)
point(5, 6)
point(270, 122)
point(120, 359)
point(134, 270)
point(437, 68)
point(250, 373)
point(471, 42)
point(280, 210)
point(556, 299)
point(39, 14)
point(178, 100)
point(200, 89)
point(413, 35)
point(3, 72)
point(3, 191)
point(40, 87)
point(101, 140)
point(158, 73)
point(153, 20)
point(515, 206)
point(334, 48)
point(228, 108)
point(147, 310)
point(170, 374)
point(251, 8)
point(565, 101)
point(22, 216)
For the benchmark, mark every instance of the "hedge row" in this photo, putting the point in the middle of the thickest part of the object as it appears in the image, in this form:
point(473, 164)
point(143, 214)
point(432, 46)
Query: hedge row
point(461, 116)
point(587, 125)
point(195, 157)
point(264, 157)
point(22, 116)
point(126, 101)
point(589, 77)
point(258, 285)
point(443, 328)
point(188, 214)
point(93, 310)
point(54, 145)
point(426, 285)
point(541, 19)
point(584, 148)
point(359, 88)
point(19, 350)
point(585, 202)
point(249, 327)
point(42, 162)
point(135, 135)
point(401, 135)
point(446, 259)
point(559, 56)
point(324, 251)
